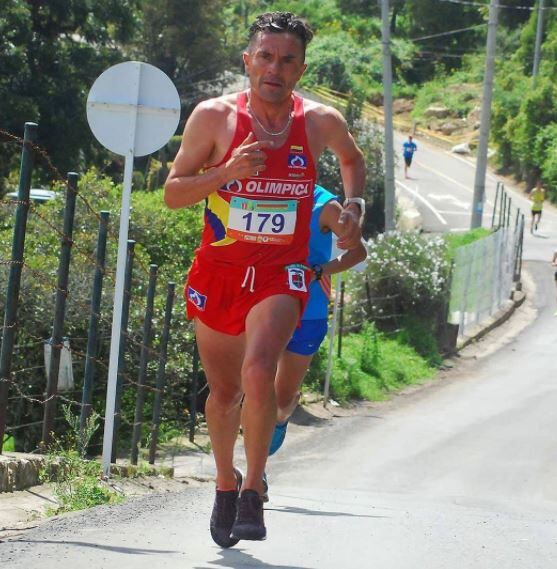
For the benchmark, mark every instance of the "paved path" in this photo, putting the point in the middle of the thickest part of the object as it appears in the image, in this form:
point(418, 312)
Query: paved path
point(460, 474)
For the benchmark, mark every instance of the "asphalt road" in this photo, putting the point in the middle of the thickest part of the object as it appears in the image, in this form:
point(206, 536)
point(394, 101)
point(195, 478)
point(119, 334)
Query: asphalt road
point(460, 474)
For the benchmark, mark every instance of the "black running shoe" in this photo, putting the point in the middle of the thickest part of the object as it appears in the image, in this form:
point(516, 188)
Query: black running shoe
point(224, 513)
point(249, 522)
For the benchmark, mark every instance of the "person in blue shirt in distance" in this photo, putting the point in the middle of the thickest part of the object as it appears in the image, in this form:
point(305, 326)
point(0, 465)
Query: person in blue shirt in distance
point(408, 149)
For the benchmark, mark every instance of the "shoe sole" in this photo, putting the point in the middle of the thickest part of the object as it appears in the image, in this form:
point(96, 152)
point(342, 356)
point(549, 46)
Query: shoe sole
point(249, 533)
point(219, 536)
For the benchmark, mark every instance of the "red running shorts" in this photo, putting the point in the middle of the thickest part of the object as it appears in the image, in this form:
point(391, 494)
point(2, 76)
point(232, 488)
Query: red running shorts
point(221, 294)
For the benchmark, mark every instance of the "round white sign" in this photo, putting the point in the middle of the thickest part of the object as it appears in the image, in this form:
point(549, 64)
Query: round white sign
point(133, 107)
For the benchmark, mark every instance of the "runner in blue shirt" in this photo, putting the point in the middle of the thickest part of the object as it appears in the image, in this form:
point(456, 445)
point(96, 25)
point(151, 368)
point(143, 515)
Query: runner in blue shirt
point(306, 340)
point(408, 149)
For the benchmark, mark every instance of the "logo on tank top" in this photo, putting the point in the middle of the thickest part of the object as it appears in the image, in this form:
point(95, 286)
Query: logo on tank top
point(297, 158)
point(232, 186)
point(297, 161)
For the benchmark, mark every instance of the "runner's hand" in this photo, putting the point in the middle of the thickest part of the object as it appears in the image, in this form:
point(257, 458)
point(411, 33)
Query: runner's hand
point(352, 234)
point(248, 159)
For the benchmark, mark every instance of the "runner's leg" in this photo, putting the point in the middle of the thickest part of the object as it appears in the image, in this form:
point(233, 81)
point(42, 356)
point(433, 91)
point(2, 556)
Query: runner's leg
point(291, 371)
point(269, 327)
point(221, 356)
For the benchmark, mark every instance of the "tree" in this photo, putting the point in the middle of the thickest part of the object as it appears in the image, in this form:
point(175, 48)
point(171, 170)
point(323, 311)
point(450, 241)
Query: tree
point(50, 56)
point(186, 39)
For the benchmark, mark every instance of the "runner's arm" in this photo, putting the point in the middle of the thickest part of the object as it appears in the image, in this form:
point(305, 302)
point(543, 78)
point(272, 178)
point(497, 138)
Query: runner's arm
point(185, 184)
point(338, 139)
point(329, 220)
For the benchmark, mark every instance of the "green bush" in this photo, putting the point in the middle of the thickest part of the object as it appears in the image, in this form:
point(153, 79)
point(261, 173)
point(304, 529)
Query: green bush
point(164, 237)
point(372, 365)
point(406, 273)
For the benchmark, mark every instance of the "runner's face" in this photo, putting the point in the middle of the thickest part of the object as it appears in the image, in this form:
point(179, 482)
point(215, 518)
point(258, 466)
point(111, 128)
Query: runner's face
point(274, 63)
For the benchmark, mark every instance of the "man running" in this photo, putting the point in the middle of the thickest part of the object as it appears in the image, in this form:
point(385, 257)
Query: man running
point(537, 197)
point(306, 340)
point(408, 149)
point(247, 286)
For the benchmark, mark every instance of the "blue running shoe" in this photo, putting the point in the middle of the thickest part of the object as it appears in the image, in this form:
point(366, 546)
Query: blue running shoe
point(278, 437)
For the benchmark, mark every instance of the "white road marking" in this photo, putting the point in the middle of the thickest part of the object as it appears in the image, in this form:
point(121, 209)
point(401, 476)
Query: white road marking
point(452, 180)
point(449, 198)
point(424, 201)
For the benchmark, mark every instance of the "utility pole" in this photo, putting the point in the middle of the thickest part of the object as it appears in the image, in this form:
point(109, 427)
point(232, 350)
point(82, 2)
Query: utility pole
point(388, 111)
point(485, 119)
point(538, 48)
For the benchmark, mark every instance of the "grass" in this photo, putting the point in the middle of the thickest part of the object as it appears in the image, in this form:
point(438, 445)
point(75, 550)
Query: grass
point(9, 444)
point(456, 240)
point(371, 367)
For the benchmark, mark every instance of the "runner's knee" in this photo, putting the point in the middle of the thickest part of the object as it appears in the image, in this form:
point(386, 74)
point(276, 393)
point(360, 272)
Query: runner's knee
point(258, 377)
point(225, 397)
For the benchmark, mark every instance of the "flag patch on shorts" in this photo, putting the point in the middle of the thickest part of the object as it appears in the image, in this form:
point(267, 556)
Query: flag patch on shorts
point(198, 299)
point(297, 279)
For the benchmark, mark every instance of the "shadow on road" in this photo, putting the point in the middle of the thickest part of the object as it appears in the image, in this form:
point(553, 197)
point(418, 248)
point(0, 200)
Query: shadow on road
point(118, 549)
point(306, 512)
point(237, 559)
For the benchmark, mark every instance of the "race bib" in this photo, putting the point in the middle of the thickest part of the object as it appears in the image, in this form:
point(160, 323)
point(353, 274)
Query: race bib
point(262, 221)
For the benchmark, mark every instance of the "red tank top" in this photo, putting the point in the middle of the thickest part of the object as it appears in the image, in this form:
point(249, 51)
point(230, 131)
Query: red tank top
point(263, 220)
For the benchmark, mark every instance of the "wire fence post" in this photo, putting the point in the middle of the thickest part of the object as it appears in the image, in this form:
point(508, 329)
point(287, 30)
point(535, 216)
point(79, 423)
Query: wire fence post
point(368, 296)
point(143, 361)
point(501, 205)
point(194, 388)
point(518, 259)
point(59, 310)
point(92, 336)
point(341, 318)
point(161, 372)
point(332, 331)
point(122, 350)
point(16, 268)
point(508, 224)
point(495, 204)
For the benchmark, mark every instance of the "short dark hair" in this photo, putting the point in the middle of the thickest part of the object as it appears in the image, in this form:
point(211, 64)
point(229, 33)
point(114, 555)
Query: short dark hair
point(281, 23)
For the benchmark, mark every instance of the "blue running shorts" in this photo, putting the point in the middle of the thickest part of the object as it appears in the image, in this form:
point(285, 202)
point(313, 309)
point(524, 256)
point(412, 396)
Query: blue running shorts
point(308, 337)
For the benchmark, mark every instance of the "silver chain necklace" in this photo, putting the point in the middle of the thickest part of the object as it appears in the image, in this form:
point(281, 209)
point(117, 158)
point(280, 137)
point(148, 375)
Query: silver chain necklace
point(288, 123)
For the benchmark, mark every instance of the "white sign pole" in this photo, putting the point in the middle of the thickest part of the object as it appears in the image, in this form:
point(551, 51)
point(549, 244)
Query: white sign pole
point(133, 109)
point(117, 315)
point(119, 286)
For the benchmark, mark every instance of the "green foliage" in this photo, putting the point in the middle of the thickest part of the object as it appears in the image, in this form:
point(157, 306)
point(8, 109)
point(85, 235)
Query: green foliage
point(164, 237)
point(458, 92)
point(185, 40)
point(456, 240)
point(372, 365)
point(524, 116)
point(51, 53)
point(407, 273)
point(76, 481)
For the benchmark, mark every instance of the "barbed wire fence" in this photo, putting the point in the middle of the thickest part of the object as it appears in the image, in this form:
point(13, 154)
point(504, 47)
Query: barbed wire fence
point(69, 312)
